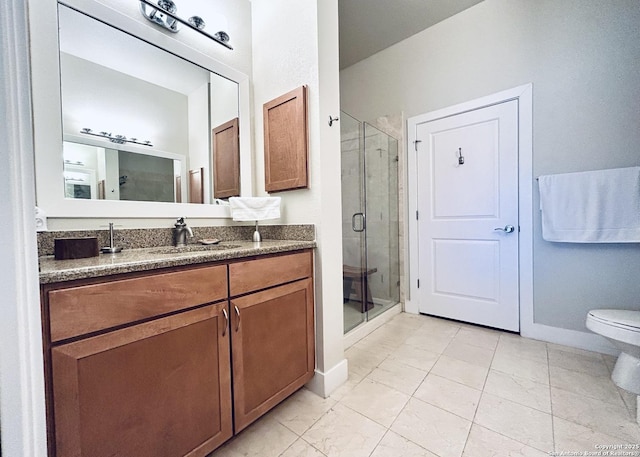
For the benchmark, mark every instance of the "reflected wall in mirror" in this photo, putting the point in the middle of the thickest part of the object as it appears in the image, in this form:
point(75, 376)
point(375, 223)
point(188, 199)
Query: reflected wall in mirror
point(150, 113)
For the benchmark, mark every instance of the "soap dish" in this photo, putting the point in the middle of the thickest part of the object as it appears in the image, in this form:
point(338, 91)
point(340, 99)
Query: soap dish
point(209, 241)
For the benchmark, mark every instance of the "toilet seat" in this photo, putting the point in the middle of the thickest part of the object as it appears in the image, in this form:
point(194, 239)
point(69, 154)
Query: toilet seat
point(617, 324)
point(626, 319)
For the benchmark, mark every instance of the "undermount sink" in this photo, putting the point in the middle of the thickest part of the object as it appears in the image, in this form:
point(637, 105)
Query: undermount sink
point(194, 248)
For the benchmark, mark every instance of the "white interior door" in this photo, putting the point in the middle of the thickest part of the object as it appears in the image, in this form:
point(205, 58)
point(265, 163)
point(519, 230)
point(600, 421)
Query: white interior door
point(467, 178)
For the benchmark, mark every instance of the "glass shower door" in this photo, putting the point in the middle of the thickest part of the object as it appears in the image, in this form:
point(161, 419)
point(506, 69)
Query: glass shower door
point(353, 221)
point(370, 246)
point(382, 225)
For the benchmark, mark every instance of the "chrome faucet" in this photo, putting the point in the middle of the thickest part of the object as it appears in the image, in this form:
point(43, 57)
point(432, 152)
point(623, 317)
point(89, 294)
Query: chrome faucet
point(180, 231)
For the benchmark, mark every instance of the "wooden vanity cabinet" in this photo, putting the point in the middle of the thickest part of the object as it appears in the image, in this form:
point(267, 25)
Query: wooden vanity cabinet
point(155, 386)
point(272, 332)
point(145, 365)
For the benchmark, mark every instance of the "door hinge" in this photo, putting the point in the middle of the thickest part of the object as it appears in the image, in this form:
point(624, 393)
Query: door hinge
point(418, 283)
point(415, 144)
point(416, 215)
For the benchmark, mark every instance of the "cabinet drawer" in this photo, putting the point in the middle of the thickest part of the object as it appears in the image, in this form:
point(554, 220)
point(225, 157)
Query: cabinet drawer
point(84, 309)
point(262, 273)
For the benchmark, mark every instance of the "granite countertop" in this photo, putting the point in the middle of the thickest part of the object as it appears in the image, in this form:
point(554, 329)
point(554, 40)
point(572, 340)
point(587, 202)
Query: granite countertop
point(144, 259)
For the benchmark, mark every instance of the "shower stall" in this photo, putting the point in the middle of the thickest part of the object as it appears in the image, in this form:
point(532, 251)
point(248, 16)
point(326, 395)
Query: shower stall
point(370, 227)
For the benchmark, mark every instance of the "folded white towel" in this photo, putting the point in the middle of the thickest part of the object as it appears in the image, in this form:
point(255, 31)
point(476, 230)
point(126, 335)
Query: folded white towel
point(600, 206)
point(254, 208)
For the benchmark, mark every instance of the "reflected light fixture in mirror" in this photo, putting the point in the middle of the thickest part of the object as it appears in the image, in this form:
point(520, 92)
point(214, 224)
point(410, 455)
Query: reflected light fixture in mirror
point(117, 138)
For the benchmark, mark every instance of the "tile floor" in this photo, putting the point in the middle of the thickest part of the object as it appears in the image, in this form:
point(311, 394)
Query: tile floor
point(424, 387)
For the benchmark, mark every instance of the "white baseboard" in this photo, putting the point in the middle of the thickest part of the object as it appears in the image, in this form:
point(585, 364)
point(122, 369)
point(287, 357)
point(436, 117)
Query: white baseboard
point(573, 338)
point(324, 383)
point(411, 307)
point(582, 340)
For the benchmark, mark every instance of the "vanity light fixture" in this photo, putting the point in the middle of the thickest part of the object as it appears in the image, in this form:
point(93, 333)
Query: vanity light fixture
point(164, 14)
point(118, 139)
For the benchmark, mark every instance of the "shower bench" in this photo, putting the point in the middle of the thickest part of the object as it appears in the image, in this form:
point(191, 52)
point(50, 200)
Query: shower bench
point(358, 278)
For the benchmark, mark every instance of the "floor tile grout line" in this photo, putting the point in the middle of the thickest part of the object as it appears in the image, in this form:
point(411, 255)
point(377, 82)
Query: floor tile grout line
point(553, 425)
point(452, 380)
point(503, 435)
point(473, 422)
point(580, 394)
point(510, 437)
point(517, 402)
point(475, 412)
point(404, 437)
point(378, 443)
point(302, 438)
point(309, 427)
point(373, 420)
point(438, 407)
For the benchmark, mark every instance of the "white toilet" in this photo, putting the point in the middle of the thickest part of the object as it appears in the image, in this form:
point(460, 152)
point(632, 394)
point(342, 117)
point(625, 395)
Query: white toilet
point(622, 328)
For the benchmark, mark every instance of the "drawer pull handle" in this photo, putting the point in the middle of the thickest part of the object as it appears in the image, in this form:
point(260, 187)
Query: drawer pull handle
point(226, 321)
point(237, 314)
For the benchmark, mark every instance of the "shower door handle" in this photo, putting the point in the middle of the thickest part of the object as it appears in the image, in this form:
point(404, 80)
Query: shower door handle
point(363, 222)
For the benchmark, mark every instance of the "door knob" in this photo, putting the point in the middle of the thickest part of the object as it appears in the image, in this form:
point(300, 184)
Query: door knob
point(506, 229)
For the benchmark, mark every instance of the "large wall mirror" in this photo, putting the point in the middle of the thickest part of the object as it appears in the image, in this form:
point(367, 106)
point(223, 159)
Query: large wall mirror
point(137, 120)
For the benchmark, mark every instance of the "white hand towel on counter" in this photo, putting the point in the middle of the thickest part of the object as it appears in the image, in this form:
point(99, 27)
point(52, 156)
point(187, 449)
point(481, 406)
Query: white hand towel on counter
point(600, 206)
point(254, 208)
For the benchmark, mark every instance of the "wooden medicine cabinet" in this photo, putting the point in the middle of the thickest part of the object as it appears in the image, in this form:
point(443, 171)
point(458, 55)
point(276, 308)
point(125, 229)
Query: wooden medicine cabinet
point(286, 141)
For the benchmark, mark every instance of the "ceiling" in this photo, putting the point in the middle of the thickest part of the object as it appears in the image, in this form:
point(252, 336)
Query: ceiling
point(369, 26)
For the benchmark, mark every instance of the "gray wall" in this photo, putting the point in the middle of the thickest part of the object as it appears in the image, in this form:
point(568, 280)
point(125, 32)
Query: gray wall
point(583, 58)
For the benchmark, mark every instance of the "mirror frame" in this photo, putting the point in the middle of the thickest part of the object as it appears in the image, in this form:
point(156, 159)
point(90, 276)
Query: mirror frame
point(47, 117)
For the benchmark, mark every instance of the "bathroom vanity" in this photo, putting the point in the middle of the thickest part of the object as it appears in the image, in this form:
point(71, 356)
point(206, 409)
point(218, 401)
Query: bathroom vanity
point(174, 353)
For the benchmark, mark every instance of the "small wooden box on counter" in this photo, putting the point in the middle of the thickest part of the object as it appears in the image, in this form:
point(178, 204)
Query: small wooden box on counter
point(75, 248)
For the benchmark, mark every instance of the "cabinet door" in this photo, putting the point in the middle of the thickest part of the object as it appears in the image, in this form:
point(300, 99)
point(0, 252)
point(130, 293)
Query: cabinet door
point(161, 388)
point(286, 141)
point(272, 340)
point(226, 160)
